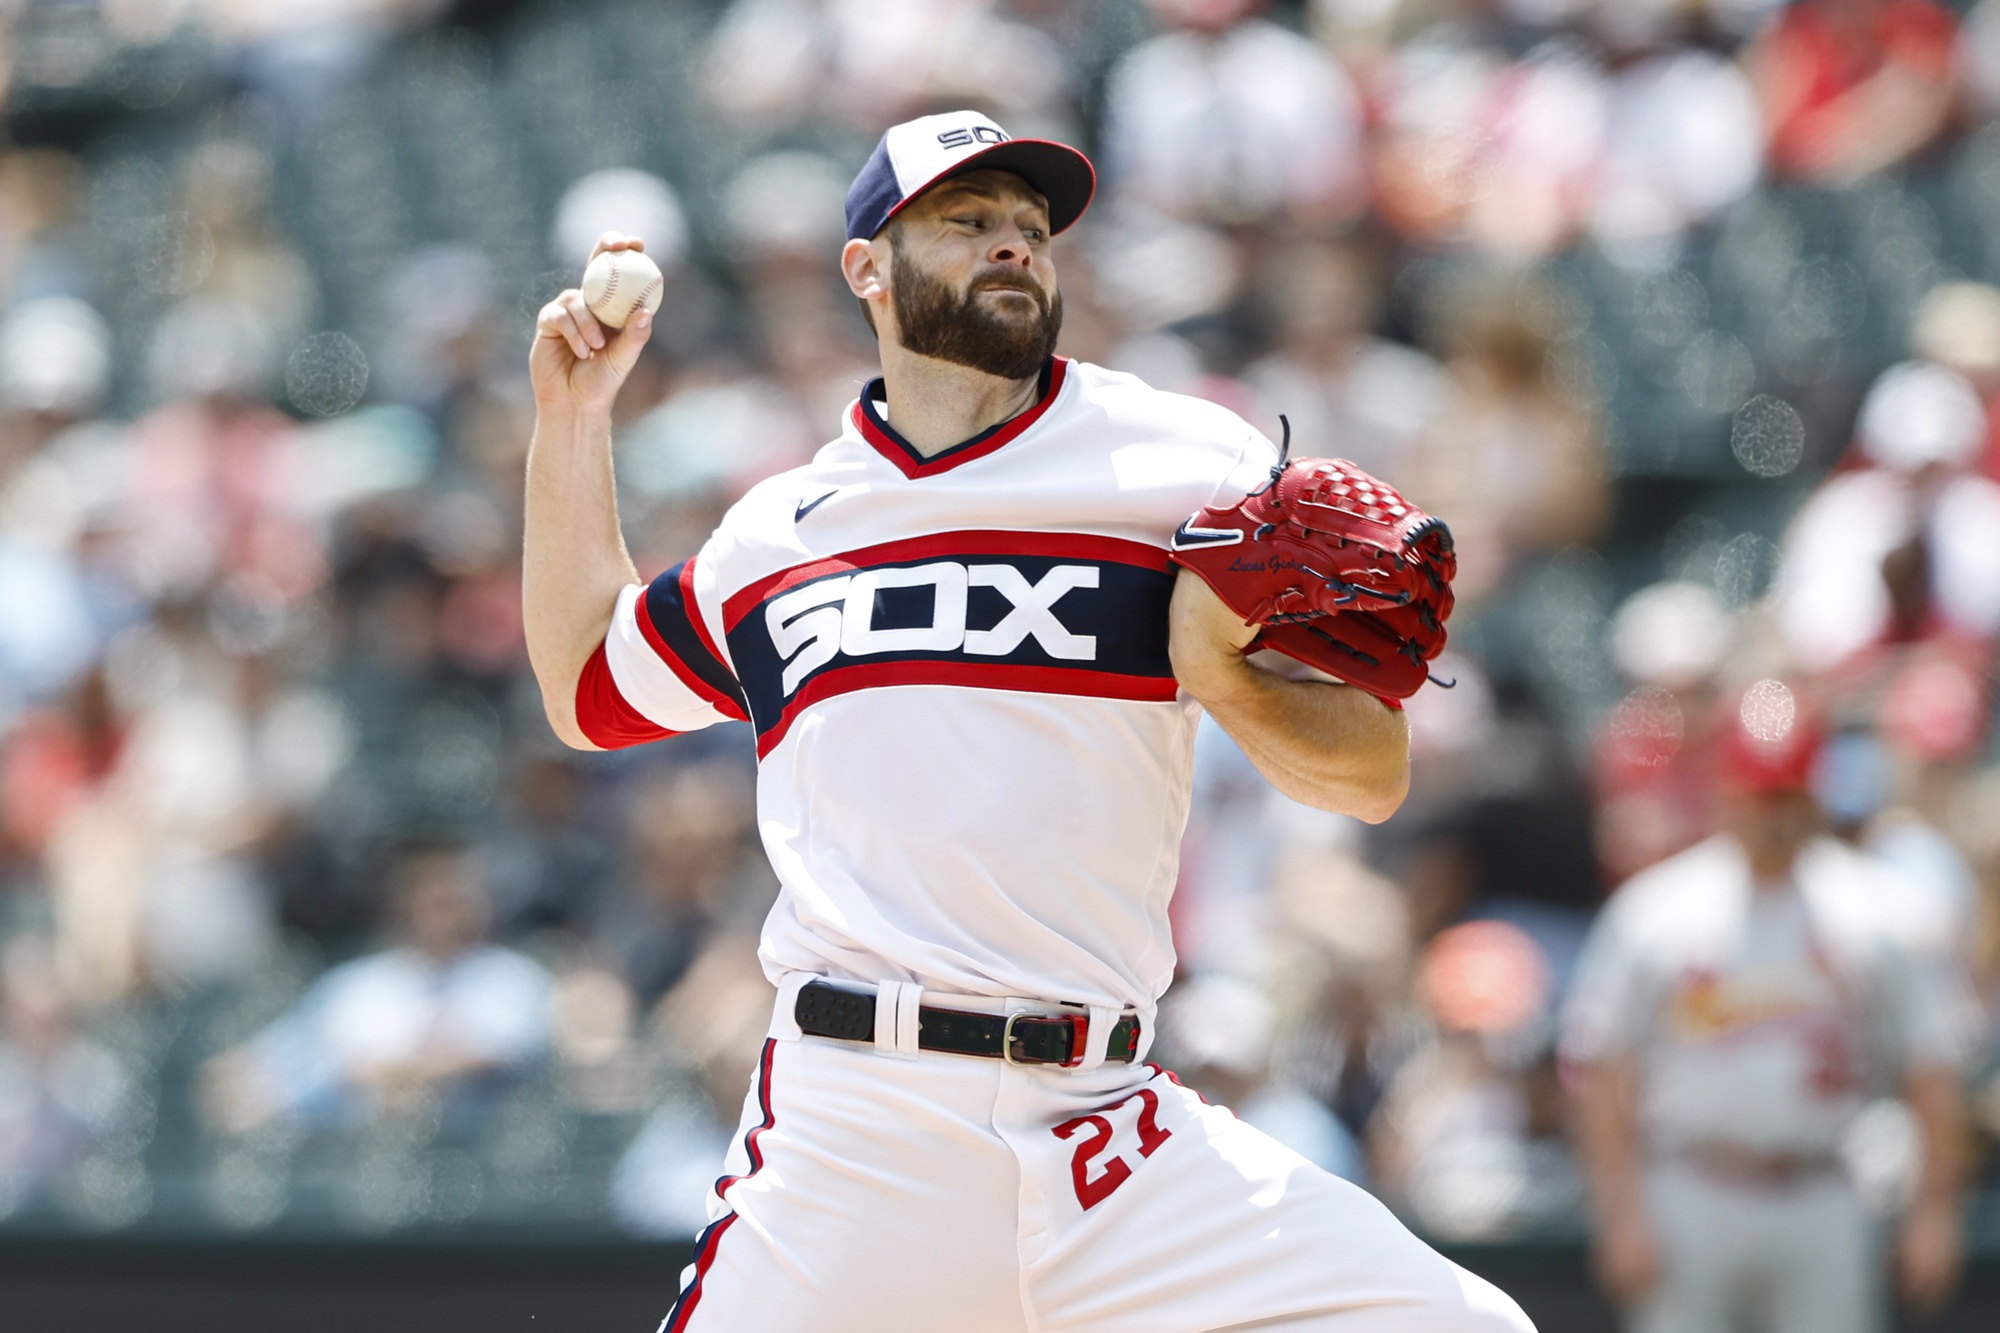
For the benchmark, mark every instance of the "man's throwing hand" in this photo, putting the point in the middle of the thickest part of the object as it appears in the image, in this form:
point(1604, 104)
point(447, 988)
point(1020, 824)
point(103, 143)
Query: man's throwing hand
point(577, 364)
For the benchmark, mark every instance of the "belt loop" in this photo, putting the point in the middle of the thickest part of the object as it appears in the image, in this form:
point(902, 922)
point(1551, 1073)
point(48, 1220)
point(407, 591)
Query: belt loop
point(908, 1020)
point(785, 1017)
point(1098, 1039)
point(891, 998)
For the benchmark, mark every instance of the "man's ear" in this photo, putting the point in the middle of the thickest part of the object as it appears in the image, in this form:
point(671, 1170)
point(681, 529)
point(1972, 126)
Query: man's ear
point(866, 271)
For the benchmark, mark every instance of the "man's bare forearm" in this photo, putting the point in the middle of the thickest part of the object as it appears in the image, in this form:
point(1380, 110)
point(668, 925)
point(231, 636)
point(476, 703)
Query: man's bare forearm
point(1321, 744)
point(1938, 1108)
point(574, 560)
point(1604, 1107)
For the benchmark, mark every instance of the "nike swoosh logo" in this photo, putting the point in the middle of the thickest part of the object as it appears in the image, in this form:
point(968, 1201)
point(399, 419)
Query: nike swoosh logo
point(1186, 536)
point(805, 509)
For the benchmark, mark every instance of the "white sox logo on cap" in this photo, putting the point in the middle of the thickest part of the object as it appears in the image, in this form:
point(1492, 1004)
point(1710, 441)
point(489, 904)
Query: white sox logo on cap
point(917, 154)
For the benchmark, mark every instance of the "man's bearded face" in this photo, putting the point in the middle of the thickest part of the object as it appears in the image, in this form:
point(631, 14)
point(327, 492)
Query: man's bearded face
point(999, 338)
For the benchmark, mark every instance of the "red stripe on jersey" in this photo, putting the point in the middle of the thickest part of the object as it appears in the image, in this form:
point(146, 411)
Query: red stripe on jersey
point(602, 713)
point(916, 469)
point(677, 1318)
point(686, 674)
point(1025, 679)
point(946, 546)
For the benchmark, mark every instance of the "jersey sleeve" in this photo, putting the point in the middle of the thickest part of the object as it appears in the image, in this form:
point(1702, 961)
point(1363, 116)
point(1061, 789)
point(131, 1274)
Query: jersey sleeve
point(1250, 469)
point(1933, 1013)
point(660, 671)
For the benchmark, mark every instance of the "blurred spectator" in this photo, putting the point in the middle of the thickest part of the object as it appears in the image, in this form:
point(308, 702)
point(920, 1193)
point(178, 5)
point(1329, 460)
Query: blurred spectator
point(1514, 460)
point(712, 1025)
point(212, 475)
point(1850, 87)
point(1670, 641)
point(1434, 92)
point(1228, 117)
point(55, 359)
point(302, 52)
point(1683, 138)
point(1217, 1032)
point(43, 250)
point(1737, 1006)
point(227, 246)
point(1864, 790)
point(440, 1017)
point(1957, 326)
point(1545, 128)
point(871, 63)
point(1467, 1134)
point(62, 1095)
point(548, 861)
point(692, 868)
point(1900, 549)
point(1347, 392)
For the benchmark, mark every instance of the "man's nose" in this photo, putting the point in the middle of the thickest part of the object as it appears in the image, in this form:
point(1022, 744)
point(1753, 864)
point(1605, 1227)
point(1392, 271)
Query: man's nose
point(1010, 246)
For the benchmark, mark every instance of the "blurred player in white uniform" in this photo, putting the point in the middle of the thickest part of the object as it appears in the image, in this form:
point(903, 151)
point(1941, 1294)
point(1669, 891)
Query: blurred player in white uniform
point(1735, 1007)
point(974, 682)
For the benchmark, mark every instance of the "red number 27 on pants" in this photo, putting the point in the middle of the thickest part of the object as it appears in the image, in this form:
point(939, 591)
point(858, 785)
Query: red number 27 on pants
point(1092, 1191)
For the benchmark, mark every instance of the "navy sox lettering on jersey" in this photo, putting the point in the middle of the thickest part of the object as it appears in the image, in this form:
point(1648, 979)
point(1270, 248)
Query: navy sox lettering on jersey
point(989, 618)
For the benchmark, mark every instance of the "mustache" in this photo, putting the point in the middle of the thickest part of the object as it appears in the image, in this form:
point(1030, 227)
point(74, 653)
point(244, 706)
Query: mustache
point(1008, 280)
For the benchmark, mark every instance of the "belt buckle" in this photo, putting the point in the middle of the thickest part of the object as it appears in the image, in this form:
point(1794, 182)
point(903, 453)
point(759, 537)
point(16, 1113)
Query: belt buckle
point(1007, 1041)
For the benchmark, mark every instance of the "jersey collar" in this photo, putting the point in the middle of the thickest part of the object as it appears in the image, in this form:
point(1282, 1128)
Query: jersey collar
point(875, 428)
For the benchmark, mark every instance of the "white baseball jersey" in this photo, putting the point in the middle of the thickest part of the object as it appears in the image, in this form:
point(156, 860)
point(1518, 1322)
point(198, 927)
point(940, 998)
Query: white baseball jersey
point(974, 760)
point(1760, 1018)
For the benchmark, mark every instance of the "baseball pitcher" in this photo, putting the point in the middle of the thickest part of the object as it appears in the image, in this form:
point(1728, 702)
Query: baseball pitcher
point(973, 670)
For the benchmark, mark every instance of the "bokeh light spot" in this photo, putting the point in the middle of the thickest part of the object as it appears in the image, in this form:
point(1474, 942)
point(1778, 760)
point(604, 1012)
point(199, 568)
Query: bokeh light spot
point(1768, 711)
point(326, 375)
point(1768, 436)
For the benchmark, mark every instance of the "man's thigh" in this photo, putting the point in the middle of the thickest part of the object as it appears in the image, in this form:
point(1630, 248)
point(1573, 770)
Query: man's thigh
point(1825, 1280)
point(861, 1197)
point(1145, 1210)
point(1710, 1244)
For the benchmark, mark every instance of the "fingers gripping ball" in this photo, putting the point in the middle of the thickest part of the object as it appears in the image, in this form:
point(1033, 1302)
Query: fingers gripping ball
point(619, 282)
point(1336, 568)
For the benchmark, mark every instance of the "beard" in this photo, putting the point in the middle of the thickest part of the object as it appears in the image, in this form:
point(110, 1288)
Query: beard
point(936, 321)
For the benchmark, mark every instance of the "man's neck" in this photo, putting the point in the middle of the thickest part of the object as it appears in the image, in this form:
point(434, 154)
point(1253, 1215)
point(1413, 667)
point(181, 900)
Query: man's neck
point(936, 404)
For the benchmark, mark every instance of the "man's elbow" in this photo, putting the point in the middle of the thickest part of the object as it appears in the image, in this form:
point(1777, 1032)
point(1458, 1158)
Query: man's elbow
point(1383, 794)
point(559, 706)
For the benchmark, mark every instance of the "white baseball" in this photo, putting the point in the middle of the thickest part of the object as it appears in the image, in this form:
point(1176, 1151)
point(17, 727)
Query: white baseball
point(619, 282)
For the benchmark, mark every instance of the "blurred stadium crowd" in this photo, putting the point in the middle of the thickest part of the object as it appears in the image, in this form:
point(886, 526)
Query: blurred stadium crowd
point(1678, 311)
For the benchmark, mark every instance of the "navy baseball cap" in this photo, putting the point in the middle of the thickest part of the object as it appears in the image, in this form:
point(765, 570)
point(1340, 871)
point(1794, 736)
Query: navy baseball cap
point(917, 154)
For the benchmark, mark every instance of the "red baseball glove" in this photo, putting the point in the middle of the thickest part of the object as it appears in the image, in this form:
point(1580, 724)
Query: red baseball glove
point(1340, 571)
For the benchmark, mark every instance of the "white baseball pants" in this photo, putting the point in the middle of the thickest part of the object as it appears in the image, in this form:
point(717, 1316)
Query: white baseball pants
point(1799, 1259)
point(872, 1193)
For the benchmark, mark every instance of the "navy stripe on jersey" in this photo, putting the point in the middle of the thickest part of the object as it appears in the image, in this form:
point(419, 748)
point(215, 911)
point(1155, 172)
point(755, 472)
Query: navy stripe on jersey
point(1050, 613)
point(666, 618)
point(874, 426)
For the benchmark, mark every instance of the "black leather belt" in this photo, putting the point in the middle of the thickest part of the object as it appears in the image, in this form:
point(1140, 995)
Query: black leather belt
point(1019, 1039)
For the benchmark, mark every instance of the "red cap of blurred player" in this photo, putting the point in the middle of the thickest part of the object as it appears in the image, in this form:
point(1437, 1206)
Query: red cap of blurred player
point(1772, 742)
